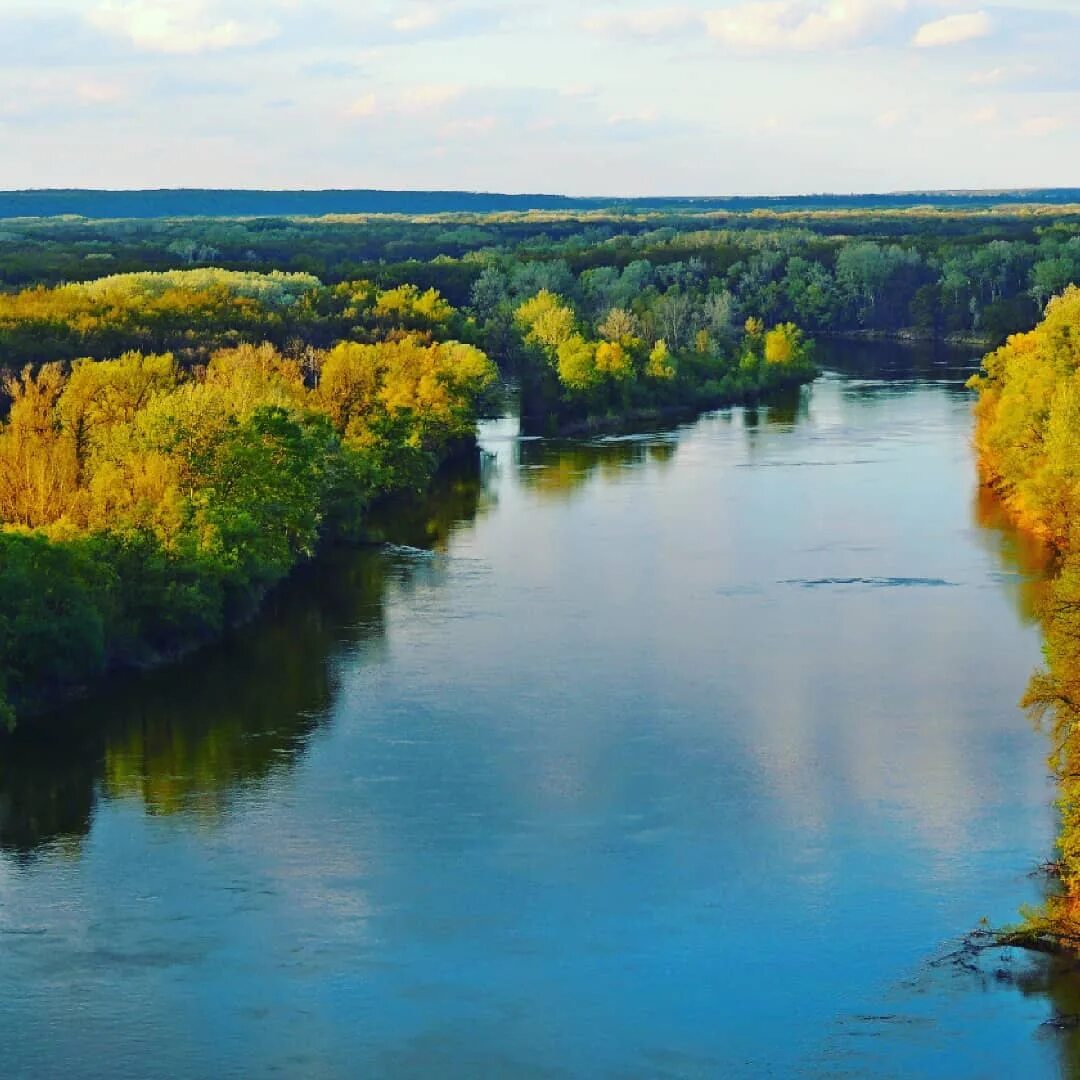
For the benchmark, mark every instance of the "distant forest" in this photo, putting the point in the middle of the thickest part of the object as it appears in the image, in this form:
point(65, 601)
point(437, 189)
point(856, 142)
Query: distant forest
point(244, 203)
point(975, 274)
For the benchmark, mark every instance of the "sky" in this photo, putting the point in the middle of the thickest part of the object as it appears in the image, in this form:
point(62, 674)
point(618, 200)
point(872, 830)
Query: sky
point(568, 96)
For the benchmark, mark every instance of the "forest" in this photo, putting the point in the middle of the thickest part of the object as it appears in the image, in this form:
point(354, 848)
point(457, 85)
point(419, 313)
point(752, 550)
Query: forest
point(1027, 432)
point(175, 443)
point(192, 406)
point(932, 272)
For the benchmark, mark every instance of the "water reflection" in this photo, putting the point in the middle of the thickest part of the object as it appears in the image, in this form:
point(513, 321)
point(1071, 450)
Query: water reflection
point(188, 737)
point(558, 470)
point(1047, 591)
point(784, 409)
point(1028, 561)
point(869, 363)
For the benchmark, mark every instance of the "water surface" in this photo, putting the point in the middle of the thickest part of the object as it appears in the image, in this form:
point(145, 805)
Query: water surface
point(677, 754)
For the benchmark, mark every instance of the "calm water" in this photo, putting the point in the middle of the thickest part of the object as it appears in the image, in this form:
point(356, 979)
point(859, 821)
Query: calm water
point(684, 754)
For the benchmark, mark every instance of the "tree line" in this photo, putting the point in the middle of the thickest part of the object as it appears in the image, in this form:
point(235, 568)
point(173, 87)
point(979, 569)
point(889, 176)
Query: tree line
point(1027, 433)
point(928, 272)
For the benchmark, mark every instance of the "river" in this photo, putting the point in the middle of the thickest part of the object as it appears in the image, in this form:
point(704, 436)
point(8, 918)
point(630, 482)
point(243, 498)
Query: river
point(688, 753)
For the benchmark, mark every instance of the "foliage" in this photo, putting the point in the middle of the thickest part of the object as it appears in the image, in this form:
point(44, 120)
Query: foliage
point(1028, 422)
point(571, 377)
point(1028, 429)
point(145, 507)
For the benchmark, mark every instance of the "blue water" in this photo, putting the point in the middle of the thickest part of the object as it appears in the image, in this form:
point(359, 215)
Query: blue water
point(682, 754)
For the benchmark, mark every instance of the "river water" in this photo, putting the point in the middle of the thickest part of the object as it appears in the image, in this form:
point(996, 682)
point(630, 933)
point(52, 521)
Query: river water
point(690, 753)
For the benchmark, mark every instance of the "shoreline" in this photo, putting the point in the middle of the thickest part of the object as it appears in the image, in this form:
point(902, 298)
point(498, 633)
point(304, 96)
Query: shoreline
point(46, 704)
point(664, 414)
point(912, 337)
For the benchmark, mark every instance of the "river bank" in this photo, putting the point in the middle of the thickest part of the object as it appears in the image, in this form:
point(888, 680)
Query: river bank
point(664, 416)
point(47, 701)
point(912, 336)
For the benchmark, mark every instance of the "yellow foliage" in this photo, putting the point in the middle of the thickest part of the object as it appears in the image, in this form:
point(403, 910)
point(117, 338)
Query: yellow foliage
point(660, 365)
point(613, 360)
point(784, 344)
point(545, 320)
point(576, 363)
point(125, 444)
point(255, 375)
point(1028, 421)
point(408, 305)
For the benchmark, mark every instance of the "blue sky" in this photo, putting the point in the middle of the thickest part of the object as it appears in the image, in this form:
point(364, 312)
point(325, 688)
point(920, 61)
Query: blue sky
point(780, 96)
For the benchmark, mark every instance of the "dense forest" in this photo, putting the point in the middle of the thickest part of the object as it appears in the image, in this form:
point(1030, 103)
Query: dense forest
point(176, 442)
point(932, 273)
point(192, 406)
point(1028, 430)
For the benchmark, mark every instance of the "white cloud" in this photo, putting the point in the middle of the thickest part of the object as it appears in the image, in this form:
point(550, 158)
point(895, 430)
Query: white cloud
point(999, 75)
point(421, 18)
point(415, 101)
point(645, 23)
point(1038, 127)
point(800, 24)
point(760, 25)
point(478, 125)
point(363, 107)
point(96, 92)
point(890, 119)
point(644, 116)
point(954, 30)
point(179, 26)
point(423, 98)
point(984, 116)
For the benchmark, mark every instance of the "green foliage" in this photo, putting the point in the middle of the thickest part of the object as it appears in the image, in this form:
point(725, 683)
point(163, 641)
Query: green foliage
point(571, 378)
point(144, 506)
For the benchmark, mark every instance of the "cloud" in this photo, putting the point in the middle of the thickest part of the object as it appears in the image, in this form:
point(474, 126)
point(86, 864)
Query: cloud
point(96, 92)
point(651, 22)
point(761, 25)
point(479, 125)
point(420, 100)
point(1039, 127)
point(644, 116)
point(420, 18)
point(577, 90)
point(423, 98)
point(799, 25)
point(953, 30)
point(332, 69)
point(984, 116)
point(363, 107)
point(890, 119)
point(179, 26)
